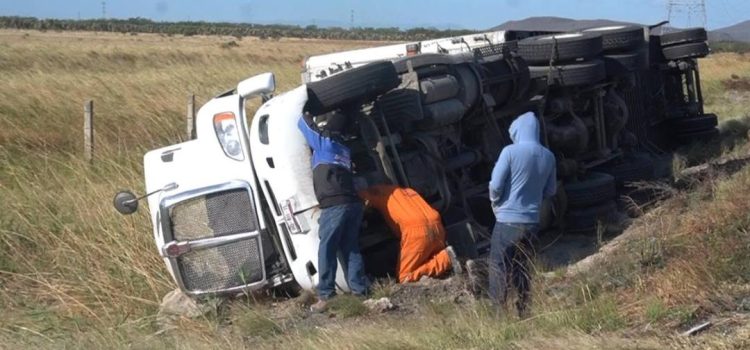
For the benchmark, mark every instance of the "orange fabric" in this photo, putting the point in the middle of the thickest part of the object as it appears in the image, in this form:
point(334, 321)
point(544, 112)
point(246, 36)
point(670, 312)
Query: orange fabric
point(417, 225)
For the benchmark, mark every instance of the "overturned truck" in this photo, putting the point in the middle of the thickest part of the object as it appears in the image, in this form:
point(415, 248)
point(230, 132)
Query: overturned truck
point(234, 209)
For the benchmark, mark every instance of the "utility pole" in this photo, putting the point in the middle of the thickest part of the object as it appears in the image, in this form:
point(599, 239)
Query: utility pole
point(351, 19)
point(686, 9)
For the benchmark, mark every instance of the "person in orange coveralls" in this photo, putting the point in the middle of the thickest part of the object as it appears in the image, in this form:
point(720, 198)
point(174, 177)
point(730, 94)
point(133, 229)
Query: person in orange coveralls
point(418, 226)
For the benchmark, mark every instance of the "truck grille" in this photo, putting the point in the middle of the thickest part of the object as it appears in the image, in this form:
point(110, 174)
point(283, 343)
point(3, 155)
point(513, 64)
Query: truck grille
point(213, 215)
point(217, 215)
point(226, 266)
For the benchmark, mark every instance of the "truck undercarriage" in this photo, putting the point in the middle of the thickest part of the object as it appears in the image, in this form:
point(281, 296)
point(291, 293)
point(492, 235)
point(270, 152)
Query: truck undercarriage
point(608, 100)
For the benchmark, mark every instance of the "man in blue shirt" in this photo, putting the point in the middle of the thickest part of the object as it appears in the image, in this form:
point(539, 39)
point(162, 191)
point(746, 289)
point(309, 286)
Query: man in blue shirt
point(341, 208)
point(523, 176)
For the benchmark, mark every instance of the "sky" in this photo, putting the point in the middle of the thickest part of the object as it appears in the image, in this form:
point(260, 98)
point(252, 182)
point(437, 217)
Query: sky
point(463, 14)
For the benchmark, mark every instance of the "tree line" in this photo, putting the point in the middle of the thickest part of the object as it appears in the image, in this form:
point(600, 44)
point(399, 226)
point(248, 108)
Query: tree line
point(263, 31)
point(730, 46)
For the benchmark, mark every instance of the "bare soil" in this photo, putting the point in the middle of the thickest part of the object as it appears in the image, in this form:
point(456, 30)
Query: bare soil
point(737, 83)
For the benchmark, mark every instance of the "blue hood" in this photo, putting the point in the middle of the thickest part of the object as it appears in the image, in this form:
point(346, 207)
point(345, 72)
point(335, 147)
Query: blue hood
point(525, 129)
point(524, 174)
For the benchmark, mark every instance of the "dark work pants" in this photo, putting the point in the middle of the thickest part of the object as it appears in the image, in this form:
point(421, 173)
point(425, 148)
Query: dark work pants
point(339, 238)
point(511, 254)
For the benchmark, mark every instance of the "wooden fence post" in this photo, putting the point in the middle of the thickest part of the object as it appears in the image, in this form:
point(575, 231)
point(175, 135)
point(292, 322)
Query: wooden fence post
point(88, 130)
point(191, 117)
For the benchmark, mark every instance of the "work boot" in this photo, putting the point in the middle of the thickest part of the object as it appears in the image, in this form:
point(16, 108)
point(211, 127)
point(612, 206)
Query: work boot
point(455, 264)
point(319, 307)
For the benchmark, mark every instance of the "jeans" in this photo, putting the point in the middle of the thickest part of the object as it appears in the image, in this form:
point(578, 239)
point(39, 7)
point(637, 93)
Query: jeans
point(511, 252)
point(339, 237)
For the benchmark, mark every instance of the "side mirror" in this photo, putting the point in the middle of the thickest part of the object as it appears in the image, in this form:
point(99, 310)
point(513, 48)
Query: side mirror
point(126, 202)
point(260, 84)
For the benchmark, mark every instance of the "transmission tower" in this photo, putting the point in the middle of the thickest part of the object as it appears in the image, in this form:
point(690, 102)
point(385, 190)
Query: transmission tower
point(104, 10)
point(686, 13)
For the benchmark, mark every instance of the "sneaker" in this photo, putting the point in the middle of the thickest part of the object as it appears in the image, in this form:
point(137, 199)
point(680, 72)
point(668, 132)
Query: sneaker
point(455, 264)
point(320, 306)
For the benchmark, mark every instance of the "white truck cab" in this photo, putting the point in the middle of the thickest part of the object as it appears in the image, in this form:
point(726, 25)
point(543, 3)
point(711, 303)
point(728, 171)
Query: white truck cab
point(208, 222)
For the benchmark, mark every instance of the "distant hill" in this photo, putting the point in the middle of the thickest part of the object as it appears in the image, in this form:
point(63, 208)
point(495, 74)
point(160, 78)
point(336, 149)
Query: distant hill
point(555, 24)
point(738, 32)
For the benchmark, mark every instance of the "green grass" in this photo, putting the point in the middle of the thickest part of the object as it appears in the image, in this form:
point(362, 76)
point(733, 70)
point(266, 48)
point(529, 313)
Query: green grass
point(346, 306)
point(254, 323)
point(656, 310)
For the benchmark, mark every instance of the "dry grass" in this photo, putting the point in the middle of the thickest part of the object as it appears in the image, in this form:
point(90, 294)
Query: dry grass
point(716, 71)
point(73, 273)
point(70, 263)
point(139, 84)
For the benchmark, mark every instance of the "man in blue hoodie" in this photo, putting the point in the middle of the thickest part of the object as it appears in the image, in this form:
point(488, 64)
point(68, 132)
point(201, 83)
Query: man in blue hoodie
point(340, 207)
point(523, 176)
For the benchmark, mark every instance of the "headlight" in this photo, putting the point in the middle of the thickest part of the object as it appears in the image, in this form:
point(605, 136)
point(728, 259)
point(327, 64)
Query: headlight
point(226, 129)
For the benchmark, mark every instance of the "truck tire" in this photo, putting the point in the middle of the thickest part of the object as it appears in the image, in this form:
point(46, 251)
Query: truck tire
point(594, 188)
point(619, 38)
point(586, 220)
point(353, 86)
point(563, 47)
point(506, 80)
point(690, 35)
point(583, 73)
point(692, 50)
point(632, 168)
point(691, 125)
point(619, 64)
